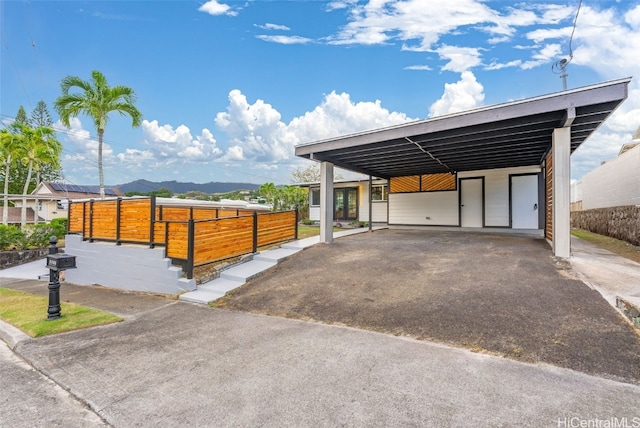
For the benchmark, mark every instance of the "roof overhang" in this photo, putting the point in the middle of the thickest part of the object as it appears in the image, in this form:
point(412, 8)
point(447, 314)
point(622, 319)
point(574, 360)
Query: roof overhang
point(513, 134)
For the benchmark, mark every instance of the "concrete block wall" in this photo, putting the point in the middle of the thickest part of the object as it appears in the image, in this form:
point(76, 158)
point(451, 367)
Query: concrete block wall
point(618, 222)
point(127, 267)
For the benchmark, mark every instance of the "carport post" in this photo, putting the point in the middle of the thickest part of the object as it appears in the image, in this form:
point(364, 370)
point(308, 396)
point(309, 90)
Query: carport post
point(326, 202)
point(561, 147)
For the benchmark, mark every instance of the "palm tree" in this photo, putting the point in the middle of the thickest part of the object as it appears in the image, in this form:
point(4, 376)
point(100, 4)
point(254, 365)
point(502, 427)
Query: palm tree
point(10, 146)
point(40, 147)
point(96, 99)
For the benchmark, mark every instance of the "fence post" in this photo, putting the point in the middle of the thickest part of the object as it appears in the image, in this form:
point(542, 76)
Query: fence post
point(84, 221)
point(190, 248)
point(68, 215)
point(118, 206)
point(295, 224)
point(91, 220)
point(152, 220)
point(255, 231)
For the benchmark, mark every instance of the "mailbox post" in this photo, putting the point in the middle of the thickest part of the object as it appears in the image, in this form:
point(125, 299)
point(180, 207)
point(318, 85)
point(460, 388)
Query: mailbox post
point(56, 263)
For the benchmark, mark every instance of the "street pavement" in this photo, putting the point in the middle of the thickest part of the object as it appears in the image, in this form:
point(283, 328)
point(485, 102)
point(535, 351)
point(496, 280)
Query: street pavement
point(173, 363)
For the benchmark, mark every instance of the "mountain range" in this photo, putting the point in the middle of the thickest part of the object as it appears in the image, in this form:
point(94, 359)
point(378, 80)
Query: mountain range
point(146, 186)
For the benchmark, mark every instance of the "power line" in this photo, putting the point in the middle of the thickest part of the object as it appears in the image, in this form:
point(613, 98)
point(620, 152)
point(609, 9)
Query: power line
point(560, 67)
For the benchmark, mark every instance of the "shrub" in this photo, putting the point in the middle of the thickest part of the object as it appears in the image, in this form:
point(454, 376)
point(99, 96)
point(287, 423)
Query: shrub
point(11, 237)
point(308, 221)
point(36, 236)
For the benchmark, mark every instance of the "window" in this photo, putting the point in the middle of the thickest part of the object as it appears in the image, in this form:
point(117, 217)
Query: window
point(315, 197)
point(379, 192)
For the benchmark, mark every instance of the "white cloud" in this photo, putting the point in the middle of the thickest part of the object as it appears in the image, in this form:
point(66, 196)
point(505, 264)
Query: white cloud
point(497, 66)
point(213, 7)
point(275, 27)
point(377, 22)
point(463, 95)
point(257, 132)
point(165, 142)
point(419, 67)
point(545, 55)
point(82, 144)
point(285, 40)
point(460, 59)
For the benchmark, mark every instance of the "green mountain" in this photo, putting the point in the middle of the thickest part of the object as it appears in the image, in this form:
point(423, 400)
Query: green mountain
point(146, 186)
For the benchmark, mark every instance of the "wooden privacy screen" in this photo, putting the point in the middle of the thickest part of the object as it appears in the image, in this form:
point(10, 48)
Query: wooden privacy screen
point(548, 230)
point(422, 183)
point(222, 238)
point(195, 235)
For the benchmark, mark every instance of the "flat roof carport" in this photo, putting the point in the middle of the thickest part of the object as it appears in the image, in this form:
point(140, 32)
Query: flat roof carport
point(518, 133)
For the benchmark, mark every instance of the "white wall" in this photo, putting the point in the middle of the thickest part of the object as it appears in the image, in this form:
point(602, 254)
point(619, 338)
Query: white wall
point(442, 207)
point(496, 192)
point(615, 183)
point(424, 208)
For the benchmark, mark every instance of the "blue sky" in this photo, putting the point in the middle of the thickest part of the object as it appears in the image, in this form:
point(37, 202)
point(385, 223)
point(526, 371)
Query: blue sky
point(227, 89)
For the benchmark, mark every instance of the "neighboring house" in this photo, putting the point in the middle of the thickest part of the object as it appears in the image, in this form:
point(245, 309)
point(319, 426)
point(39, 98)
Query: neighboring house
point(504, 166)
point(351, 200)
point(615, 183)
point(15, 216)
point(51, 200)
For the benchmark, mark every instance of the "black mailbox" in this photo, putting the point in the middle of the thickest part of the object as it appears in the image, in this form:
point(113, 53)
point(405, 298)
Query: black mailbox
point(60, 262)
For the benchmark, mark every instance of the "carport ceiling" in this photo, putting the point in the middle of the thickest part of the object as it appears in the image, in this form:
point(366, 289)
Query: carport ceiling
point(506, 135)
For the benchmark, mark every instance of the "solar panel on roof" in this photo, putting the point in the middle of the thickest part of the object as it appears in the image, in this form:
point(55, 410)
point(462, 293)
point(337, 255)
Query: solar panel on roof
point(63, 187)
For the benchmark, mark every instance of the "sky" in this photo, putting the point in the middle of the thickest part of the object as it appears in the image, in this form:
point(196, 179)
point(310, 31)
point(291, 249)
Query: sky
point(227, 89)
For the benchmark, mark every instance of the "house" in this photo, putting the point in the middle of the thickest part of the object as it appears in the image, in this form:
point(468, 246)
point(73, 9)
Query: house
point(50, 200)
point(15, 216)
point(503, 167)
point(351, 200)
point(615, 183)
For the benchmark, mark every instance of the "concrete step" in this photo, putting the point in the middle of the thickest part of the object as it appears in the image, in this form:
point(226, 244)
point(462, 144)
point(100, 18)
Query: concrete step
point(276, 255)
point(246, 271)
point(220, 285)
point(201, 296)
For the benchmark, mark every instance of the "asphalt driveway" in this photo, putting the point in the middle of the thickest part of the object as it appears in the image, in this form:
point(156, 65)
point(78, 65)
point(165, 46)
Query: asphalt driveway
point(492, 293)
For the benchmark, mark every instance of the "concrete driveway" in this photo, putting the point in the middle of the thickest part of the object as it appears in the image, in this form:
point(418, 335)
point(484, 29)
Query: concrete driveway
point(496, 293)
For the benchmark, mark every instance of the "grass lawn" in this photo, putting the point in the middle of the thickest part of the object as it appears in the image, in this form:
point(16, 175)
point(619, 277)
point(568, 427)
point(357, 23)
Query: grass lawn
point(309, 231)
point(28, 312)
point(616, 246)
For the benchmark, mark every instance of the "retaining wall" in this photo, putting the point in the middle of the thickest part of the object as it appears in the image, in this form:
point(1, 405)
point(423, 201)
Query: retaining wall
point(14, 258)
point(618, 222)
point(128, 267)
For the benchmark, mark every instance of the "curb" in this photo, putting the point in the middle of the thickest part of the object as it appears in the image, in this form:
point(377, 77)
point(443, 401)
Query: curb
point(11, 335)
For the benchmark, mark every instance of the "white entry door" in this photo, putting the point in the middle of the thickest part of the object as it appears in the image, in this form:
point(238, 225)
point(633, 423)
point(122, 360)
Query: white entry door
point(471, 202)
point(524, 202)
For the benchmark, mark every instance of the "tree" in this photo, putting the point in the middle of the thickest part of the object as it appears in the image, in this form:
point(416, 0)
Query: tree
point(40, 116)
point(97, 100)
point(21, 117)
point(39, 147)
point(10, 147)
point(311, 174)
point(283, 197)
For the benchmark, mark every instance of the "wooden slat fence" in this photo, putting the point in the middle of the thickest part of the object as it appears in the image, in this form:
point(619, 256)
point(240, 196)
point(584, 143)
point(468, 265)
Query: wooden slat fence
point(192, 236)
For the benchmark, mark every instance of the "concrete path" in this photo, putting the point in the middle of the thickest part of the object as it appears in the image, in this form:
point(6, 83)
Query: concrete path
point(238, 275)
point(608, 273)
point(190, 365)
